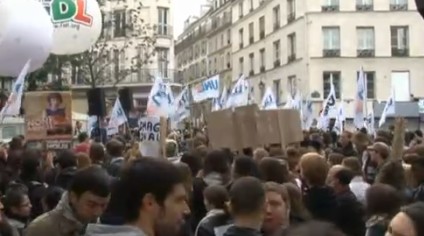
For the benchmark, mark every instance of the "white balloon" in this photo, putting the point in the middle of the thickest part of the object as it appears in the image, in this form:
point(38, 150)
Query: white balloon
point(78, 24)
point(26, 32)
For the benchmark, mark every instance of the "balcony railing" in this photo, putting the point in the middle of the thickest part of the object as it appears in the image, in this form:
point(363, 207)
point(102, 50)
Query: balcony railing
point(399, 7)
point(331, 53)
point(330, 8)
point(400, 52)
point(143, 76)
point(164, 30)
point(364, 7)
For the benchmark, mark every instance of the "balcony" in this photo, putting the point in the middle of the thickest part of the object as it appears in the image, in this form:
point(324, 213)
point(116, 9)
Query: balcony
point(399, 7)
point(262, 69)
point(330, 8)
point(291, 58)
point(365, 53)
point(400, 52)
point(364, 7)
point(291, 17)
point(140, 78)
point(331, 53)
point(164, 30)
point(277, 63)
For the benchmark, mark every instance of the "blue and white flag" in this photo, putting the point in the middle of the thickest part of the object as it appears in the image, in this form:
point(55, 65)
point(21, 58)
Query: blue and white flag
point(14, 102)
point(370, 123)
point(182, 106)
point(360, 100)
point(268, 101)
point(161, 99)
point(340, 118)
point(117, 118)
point(389, 108)
point(329, 106)
point(239, 95)
point(206, 89)
point(307, 115)
point(219, 103)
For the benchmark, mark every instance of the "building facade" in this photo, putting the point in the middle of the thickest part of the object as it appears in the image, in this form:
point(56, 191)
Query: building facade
point(140, 39)
point(301, 44)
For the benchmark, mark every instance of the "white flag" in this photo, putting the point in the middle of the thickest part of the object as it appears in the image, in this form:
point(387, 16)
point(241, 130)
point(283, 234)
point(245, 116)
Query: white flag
point(371, 123)
point(389, 108)
point(160, 101)
point(307, 115)
point(239, 95)
point(117, 118)
point(268, 101)
point(360, 100)
point(14, 102)
point(329, 105)
point(340, 118)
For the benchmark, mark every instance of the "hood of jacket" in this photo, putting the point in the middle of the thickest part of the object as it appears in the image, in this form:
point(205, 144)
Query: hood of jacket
point(106, 230)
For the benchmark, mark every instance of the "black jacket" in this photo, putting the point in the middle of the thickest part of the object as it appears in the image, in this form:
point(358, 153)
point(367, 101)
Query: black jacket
point(239, 231)
point(212, 220)
point(321, 203)
point(114, 166)
point(350, 214)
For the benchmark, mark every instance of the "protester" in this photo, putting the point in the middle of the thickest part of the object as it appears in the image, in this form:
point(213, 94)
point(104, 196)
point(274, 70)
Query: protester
point(17, 208)
point(277, 216)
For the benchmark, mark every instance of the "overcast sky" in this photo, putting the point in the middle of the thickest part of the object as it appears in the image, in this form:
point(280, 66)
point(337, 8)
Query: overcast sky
point(182, 10)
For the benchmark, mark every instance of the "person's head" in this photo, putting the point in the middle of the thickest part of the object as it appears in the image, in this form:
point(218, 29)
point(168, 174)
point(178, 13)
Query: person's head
point(409, 221)
point(345, 138)
point(353, 164)
point(83, 137)
point(97, 153)
point(54, 100)
point(185, 173)
point(382, 199)
point(52, 198)
point(83, 160)
point(216, 197)
point(89, 193)
point(115, 148)
point(216, 161)
point(313, 169)
point(244, 166)
point(78, 124)
point(247, 199)
point(16, 144)
point(259, 153)
point(152, 193)
point(31, 164)
point(297, 207)
point(277, 207)
point(274, 170)
point(66, 159)
point(335, 159)
point(340, 179)
point(379, 152)
point(193, 161)
point(16, 201)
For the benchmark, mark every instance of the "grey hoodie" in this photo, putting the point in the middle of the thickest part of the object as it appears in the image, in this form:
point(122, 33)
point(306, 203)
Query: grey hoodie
point(106, 230)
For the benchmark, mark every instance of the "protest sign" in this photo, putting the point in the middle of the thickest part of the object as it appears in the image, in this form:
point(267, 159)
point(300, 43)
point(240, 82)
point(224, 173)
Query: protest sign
point(245, 126)
point(150, 142)
point(221, 129)
point(290, 126)
point(268, 127)
point(48, 117)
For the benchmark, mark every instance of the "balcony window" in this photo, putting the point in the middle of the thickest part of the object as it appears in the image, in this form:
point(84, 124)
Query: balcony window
point(331, 36)
point(163, 21)
point(262, 27)
point(366, 41)
point(331, 5)
point(398, 5)
point(276, 16)
point(120, 24)
point(291, 47)
point(364, 5)
point(291, 10)
point(327, 76)
point(400, 41)
point(277, 53)
point(370, 78)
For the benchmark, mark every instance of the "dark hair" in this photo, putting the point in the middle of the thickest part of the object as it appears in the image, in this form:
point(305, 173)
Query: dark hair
point(66, 159)
point(344, 176)
point(415, 212)
point(16, 143)
point(193, 161)
point(216, 161)
point(245, 166)
point(217, 196)
point(14, 196)
point(383, 199)
point(419, 133)
point(92, 179)
point(97, 153)
point(53, 196)
point(247, 196)
point(57, 96)
point(115, 148)
point(143, 176)
point(274, 170)
point(316, 228)
point(31, 164)
point(82, 137)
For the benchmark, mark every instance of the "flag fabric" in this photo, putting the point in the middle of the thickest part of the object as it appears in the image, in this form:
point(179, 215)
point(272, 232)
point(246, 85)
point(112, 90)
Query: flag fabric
point(370, 123)
point(160, 100)
point(389, 108)
point(14, 102)
point(239, 95)
point(182, 106)
point(268, 101)
point(307, 115)
point(340, 118)
point(329, 105)
point(360, 100)
point(219, 103)
point(117, 118)
point(206, 89)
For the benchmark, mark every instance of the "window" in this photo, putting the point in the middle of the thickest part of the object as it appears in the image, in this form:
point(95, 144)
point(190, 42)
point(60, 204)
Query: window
point(331, 37)
point(120, 24)
point(277, 53)
point(291, 47)
point(291, 10)
point(370, 78)
point(163, 21)
point(262, 59)
point(400, 40)
point(251, 5)
point(292, 85)
point(116, 63)
point(228, 60)
point(327, 76)
point(330, 5)
point(241, 38)
point(163, 61)
point(251, 35)
point(240, 10)
point(276, 16)
point(262, 27)
point(252, 63)
point(277, 90)
point(398, 5)
point(229, 36)
point(365, 38)
point(241, 65)
point(364, 5)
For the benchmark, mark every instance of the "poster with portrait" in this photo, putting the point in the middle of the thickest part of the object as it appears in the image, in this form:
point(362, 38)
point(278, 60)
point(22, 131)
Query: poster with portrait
point(48, 116)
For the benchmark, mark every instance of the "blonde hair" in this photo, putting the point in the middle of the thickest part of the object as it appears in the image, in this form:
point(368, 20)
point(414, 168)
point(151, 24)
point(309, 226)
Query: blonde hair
point(314, 168)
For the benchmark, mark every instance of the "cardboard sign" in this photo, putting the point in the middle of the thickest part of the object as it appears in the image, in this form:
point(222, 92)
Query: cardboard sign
point(290, 126)
point(150, 142)
point(266, 124)
point(221, 129)
point(245, 118)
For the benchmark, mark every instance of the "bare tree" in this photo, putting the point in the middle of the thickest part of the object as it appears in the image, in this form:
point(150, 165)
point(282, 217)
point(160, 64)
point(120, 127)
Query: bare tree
point(109, 61)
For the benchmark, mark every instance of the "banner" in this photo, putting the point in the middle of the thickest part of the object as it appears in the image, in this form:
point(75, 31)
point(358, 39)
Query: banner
point(161, 99)
point(150, 136)
point(48, 115)
point(206, 89)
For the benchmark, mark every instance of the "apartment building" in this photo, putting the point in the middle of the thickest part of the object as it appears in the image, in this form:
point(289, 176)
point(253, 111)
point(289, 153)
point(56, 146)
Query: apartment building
point(301, 44)
point(157, 19)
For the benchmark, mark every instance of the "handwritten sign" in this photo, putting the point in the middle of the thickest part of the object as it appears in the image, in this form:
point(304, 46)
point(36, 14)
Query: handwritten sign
point(150, 136)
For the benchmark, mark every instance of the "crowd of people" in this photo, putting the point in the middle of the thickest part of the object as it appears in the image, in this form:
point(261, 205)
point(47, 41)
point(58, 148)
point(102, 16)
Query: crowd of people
point(352, 184)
